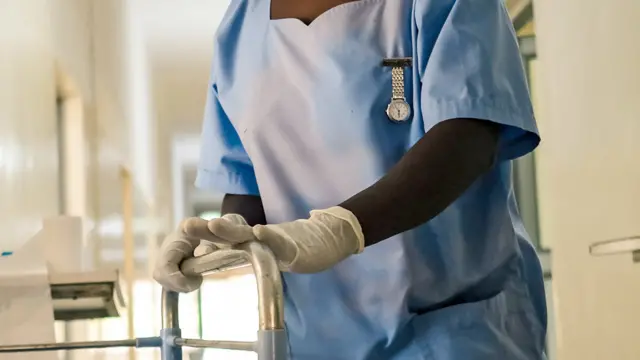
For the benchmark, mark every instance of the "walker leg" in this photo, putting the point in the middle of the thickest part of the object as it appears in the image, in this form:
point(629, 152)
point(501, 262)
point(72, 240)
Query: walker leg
point(169, 350)
point(272, 341)
point(272, 345)
point(170, 326)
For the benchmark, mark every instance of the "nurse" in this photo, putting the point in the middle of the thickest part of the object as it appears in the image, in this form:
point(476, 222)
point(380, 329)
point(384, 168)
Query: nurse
point(369, 145)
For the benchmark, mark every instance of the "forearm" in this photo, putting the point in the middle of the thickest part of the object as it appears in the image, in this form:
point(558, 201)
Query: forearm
point(249, 206)
point(428, 178)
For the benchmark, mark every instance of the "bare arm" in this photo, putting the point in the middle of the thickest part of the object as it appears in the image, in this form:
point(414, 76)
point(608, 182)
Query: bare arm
point(249, 206)
point(427, 179)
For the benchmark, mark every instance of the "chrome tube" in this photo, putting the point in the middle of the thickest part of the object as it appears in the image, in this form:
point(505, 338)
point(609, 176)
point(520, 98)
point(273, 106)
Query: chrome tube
point(215, 344)
point(265, 267)
point(217, 261)
point(269, 282)
point(616, 246)
point(68, 346)
point(169, 303)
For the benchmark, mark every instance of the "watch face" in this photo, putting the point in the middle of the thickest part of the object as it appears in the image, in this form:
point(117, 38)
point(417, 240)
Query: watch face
point(399, 110)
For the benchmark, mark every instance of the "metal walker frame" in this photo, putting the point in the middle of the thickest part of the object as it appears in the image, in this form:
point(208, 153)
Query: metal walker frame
point(272, 339)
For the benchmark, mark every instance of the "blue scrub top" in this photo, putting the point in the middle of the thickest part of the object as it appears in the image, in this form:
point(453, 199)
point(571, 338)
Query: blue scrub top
point(296, 114)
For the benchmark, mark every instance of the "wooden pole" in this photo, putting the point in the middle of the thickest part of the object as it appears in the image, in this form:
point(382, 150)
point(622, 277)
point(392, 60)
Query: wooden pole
point(129, 249)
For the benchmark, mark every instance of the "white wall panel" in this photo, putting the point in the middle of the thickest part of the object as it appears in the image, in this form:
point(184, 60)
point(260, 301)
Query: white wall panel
point(589, 170)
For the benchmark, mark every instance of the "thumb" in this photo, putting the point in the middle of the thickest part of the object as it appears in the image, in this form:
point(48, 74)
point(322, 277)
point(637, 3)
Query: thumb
point(195, 228)
point(228, 231)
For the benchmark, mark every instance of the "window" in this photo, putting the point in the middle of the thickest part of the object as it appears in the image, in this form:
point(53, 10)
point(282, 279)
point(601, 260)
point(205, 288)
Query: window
point(208, 215)
point(146, 322)
point(525, 180)
point(230, 312)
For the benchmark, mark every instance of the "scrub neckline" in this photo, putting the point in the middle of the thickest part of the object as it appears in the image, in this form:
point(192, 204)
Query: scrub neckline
point(344, 7)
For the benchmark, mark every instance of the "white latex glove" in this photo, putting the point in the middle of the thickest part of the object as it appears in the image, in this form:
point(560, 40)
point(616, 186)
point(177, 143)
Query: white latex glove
point(181, 245)
point(303, 246)
point(209, 242)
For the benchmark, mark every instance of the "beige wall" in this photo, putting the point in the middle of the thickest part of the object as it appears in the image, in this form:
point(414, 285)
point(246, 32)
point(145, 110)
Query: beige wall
point(121, 63)
point(589, 170)
point(71, 22)
point(111, 59)
point(81, 50)
point(28, 156)
point(179, 40)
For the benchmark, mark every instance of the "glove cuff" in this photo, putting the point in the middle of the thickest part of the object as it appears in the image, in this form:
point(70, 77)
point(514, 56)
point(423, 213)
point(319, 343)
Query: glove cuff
point(346, 215)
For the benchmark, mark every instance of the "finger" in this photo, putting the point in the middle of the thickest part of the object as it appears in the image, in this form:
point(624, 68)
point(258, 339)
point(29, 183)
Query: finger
point(229, 232)
point(205, 248)
point(197, 228)
point(183, 284)
point(176, 251)
point(162, 272)
point(170, 278)
point(236, 219)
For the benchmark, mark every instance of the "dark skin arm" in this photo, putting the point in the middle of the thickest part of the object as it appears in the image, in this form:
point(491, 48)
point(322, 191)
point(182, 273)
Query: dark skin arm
point(249, 206)
point(426, 180)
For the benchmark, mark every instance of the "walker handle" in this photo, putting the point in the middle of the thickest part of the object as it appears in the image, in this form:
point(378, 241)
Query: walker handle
point(217, 261)
point(272, 338)
point(265, 267)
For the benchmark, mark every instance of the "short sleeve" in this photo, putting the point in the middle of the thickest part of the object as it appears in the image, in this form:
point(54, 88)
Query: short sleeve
point(471, 68)
point(224, 165)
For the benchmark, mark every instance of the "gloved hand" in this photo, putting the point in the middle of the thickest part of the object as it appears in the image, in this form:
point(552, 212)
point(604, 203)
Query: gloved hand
point(209, 243)
point(186, 242)
point(303, 246)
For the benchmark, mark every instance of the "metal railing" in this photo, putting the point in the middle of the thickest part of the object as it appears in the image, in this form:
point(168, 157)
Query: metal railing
point(627, 245)
point(272, 339)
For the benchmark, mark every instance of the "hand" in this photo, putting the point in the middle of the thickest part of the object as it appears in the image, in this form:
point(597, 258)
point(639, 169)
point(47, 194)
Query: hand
point(182, 244)
point(316, 244)
point(303, 246)
point(209, 241)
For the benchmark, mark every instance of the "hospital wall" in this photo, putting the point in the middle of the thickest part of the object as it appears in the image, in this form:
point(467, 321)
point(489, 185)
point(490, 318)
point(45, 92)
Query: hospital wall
point(82, 51)
point(48, 52)
point(588, 79)
point(28, 160)
point(179, 42)
point(78, 51)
